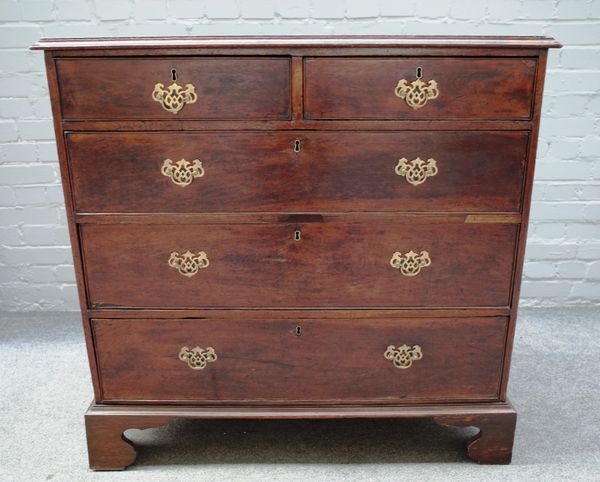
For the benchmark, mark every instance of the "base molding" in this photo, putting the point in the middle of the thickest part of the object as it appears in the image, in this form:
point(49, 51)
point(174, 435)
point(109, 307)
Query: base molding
point(109, 449)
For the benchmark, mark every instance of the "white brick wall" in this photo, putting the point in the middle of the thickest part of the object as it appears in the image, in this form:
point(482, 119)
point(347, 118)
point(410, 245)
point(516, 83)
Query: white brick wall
point(563, 256)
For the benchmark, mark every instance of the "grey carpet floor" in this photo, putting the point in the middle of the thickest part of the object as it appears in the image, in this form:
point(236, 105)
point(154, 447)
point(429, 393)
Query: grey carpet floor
point(45, 388)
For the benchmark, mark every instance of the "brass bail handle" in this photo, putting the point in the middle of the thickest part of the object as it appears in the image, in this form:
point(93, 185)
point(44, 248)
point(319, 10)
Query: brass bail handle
point(174, 97)
point(417, 93)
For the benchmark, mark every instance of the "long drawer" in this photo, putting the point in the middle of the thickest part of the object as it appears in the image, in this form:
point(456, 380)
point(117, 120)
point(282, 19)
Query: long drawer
point(219, 88)
point(295, 361)
point(330, 264)
point(297, 171)
point(419, 88)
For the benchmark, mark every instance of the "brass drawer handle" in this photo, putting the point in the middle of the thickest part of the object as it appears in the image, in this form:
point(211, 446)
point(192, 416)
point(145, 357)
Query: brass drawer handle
point(197, 358)
point(410, 264)
point(174, 97)
point(404, 355)
point(417, 171)
point(188, 263)
point(182, 172)
point(418, 92)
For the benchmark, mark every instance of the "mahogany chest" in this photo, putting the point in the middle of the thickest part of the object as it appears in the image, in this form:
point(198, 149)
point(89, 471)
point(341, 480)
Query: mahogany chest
point(297, 227)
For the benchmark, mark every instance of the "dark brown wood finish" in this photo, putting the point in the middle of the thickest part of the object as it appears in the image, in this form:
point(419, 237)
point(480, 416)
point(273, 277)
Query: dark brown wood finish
point(227, 87)
point(351, 88)
point(109, 449)
point(332, 265)
point(259, 172)
point(274, 361)
point(267, 92)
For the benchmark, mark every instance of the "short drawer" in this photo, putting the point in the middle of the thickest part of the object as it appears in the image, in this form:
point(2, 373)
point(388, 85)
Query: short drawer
point(297, 171)
point(390, 88)
point(281, 265)
point(301, 361)
point(175, 88)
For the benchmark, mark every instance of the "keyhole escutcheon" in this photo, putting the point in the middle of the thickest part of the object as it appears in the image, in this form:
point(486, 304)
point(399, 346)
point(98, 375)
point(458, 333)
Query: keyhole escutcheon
point(419, 72)
point(173, 75)
point(297, 235)
point(297, 146)
point(298, 330)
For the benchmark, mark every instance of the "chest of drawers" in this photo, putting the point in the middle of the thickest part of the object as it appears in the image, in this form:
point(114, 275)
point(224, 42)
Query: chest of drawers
point(297, 227)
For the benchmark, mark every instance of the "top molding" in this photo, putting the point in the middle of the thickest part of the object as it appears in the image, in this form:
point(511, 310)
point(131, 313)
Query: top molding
point(295, 41)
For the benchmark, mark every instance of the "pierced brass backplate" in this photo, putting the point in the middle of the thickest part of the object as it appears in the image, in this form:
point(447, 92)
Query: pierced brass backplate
point(410, 264)
point(182, 172)
point(197, 358)
point(188, 263)
point(404, 355)
point(174, 97)
point(417, 93)
point(417, 171)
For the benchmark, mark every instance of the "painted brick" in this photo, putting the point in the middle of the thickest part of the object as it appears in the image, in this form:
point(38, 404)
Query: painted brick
point(543, 289)
point(45, 235)
point(30, 195)
point(14, 61)
point(589, 251)
point(334, 9)
point(18, 36)
point(223, 9)
point(46, 255)
point(589, 291)
point(15, 108)
point(73, 10)
point(65, 274)
point(538, 9)
point(28, 215)
point(581, 231)
point(571, 270)
point(549, 230)
point(113, 10)
point(551, 169)
point(293, 8)
point(467, 11)
point(27, 174)
point(590, 147)
point(8, 131)
point(10, 236)
point(7, 197)
point(594, 271)
point(577, 33)
point(36, 129)
point(564, 252)
point(393, 8)
point(554, 211)
point(36, 11)
point(10, 11)
point(360, 9)
point(551, 251)
point(505, 10)
point(579, 58)
point(150, 10)
point(540, 270)
point(257, 9)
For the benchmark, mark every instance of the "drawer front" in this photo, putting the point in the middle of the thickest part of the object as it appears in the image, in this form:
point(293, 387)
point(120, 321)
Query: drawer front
point(330, 264)
point(470, 88)
point(337, 361)
point(221, 88)
point(262, 172)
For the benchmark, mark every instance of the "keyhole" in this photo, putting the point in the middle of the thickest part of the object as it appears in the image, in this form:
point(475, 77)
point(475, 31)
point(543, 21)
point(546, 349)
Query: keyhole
point(173, 75)
point(297, 235)
point(419, 72)
point(298, 330)
point(297, 146)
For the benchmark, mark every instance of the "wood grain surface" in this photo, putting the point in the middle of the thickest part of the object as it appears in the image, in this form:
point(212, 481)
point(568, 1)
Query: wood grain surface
point(332, 171)
point(331, 361)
